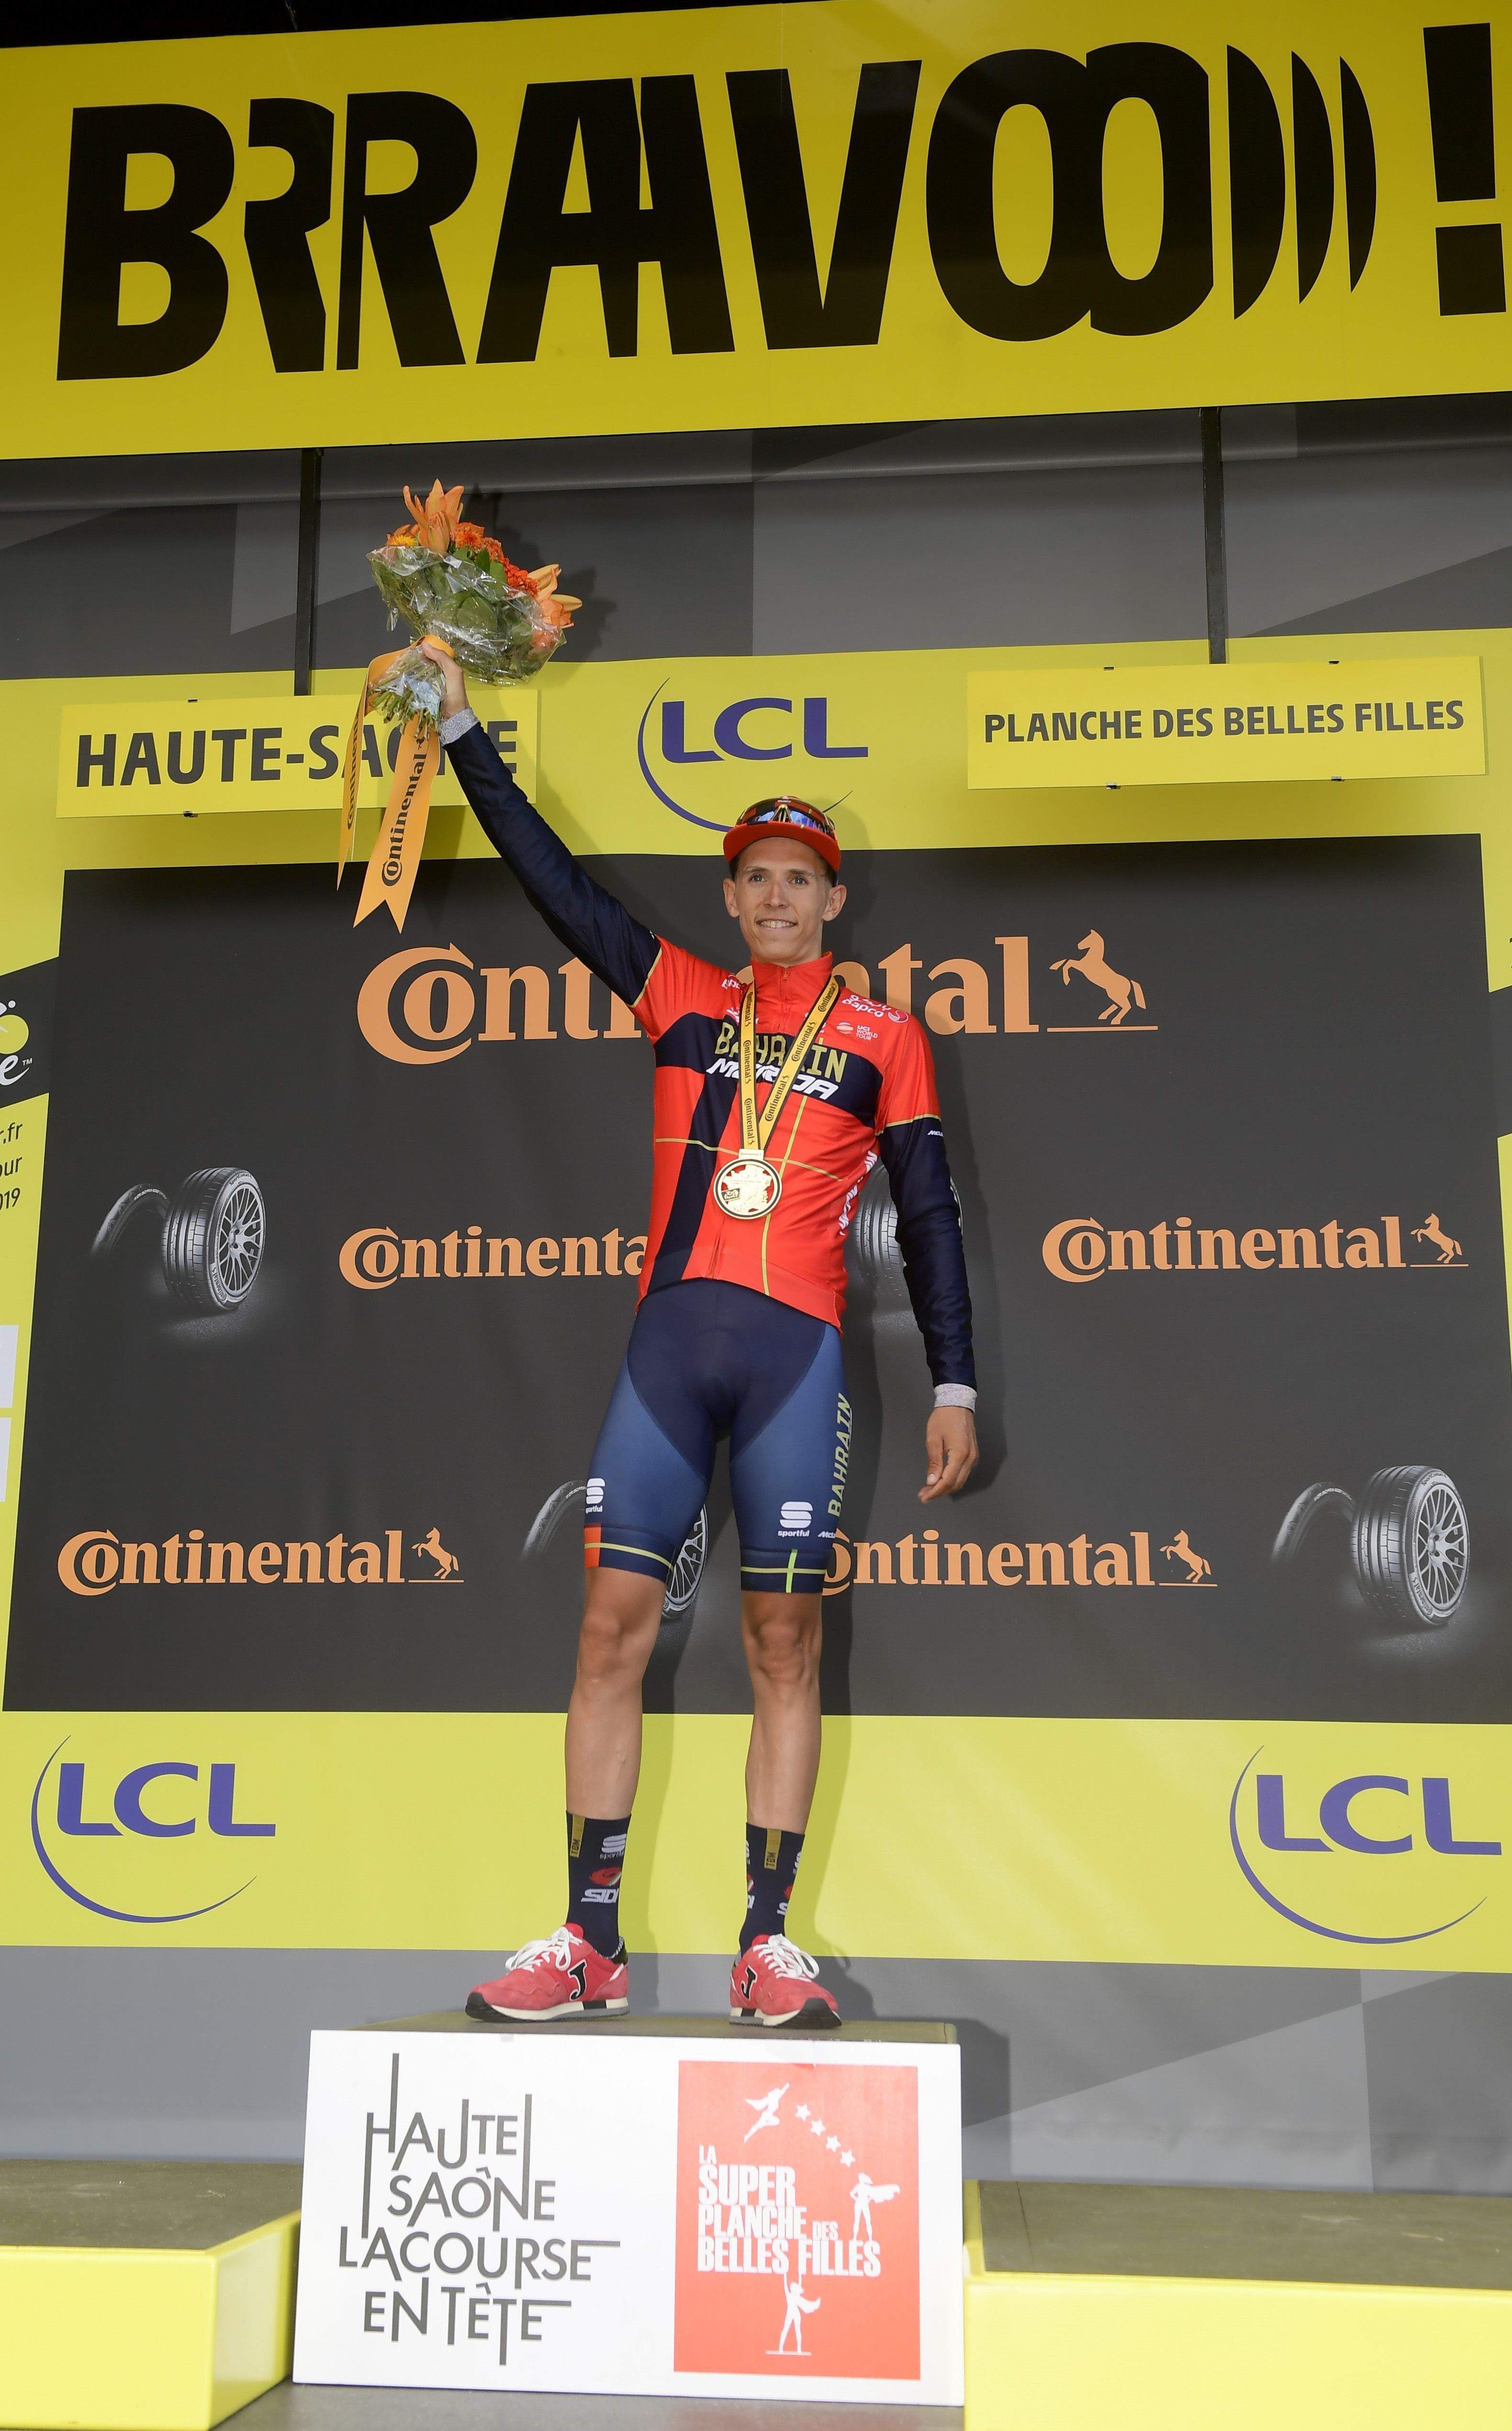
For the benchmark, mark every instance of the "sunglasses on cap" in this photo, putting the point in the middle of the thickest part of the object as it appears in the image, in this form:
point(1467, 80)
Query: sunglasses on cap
point(785, 811)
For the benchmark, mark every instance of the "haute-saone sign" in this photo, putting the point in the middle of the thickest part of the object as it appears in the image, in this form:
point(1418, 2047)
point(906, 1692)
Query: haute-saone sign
point(657, 2216)
point(716, 218)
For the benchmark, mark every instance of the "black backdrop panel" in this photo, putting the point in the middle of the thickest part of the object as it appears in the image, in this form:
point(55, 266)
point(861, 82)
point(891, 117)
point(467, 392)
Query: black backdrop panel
point(1312, 1049)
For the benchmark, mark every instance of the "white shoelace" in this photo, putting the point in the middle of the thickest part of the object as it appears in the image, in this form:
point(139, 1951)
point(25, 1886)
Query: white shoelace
point(786, 1958)
point(557, 1946)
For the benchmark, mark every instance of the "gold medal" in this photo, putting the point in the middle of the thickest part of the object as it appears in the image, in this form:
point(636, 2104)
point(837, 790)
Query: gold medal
point(750, 1185)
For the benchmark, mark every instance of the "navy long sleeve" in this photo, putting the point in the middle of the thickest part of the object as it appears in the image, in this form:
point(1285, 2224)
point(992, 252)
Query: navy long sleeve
point(929, 1235)
point(591, 923)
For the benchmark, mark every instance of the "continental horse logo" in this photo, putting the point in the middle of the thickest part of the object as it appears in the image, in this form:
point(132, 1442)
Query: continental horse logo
point(1199, 1569)
point(1432, 1232)
point(1123, 994)
point(447, 1570)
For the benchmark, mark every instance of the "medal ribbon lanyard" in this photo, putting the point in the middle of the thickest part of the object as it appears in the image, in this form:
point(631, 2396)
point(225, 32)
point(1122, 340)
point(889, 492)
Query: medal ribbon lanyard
point(756, 1130)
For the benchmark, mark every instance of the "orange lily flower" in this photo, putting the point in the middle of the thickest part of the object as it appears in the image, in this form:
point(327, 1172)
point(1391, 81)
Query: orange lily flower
point(436, 523)
point(556, 605)
point(438, 526)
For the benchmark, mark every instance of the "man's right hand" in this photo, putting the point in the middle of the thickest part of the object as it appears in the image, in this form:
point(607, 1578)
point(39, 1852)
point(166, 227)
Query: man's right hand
point(455, 695)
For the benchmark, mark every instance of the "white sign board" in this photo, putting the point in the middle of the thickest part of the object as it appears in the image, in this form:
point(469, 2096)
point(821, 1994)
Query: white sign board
point(633, 2214)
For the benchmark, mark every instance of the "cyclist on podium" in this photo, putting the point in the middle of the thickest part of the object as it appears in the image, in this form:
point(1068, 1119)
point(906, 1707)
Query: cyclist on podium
point(773, 1102)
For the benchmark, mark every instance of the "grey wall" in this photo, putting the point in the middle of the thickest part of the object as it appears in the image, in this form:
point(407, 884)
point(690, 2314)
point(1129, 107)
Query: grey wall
point(1340, 518)
point(1215, 2075)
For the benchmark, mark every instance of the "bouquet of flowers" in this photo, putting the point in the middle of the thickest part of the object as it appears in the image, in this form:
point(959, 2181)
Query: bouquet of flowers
point(452, 584)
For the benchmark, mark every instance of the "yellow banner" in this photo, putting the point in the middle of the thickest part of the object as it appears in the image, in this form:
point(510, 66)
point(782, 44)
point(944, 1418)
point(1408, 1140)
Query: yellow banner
point(134, 759)
point(1176, 1843)
point(23, 1144)
point(1111, 1840)
point(839, 211)
point(660, 755)
point(1194, 724)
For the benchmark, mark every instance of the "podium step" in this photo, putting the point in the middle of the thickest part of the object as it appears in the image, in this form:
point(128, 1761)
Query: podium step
point(1176, 2308)
point(704, 2029)
point(143, 2295)
point(576, 2211)
point(295, 2408)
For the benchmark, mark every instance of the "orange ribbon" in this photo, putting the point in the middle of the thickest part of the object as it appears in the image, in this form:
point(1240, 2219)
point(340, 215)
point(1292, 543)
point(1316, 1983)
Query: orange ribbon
point(395, 860)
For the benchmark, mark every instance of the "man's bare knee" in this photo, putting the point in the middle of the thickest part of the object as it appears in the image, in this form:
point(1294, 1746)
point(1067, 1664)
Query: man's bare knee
point(621, 1614)
point(782, 1639)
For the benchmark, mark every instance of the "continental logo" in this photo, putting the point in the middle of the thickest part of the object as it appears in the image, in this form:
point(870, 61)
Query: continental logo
point(377, 1256)
point(928, 1560)
point(97, 1561)
point(1081, 1248)
point(428, 1004)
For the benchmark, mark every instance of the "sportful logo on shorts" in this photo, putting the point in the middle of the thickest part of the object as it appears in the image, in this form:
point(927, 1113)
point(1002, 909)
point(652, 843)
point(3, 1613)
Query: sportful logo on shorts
point(594, 1494)
point(796, 1514)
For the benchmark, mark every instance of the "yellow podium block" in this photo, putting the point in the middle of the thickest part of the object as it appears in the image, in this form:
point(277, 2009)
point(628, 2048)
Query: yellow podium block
point(1174, 2308)
point(142, 2296)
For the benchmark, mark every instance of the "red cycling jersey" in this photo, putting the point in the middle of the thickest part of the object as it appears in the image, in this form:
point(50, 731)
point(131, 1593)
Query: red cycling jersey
point(865, 1090)
point(868, 1069)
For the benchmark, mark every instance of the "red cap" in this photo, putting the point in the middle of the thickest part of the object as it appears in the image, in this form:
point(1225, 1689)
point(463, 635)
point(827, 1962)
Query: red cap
point(796, 822)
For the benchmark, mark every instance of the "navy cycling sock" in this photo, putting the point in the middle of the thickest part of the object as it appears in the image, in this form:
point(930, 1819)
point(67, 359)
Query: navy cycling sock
point(595, 1858)
point(771, 1863)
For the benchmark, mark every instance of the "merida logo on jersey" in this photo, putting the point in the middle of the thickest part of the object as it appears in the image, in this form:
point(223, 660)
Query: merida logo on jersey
point(808, 1084)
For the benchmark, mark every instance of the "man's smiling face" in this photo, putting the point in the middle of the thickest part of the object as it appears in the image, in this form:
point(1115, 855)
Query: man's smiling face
point(782, 894)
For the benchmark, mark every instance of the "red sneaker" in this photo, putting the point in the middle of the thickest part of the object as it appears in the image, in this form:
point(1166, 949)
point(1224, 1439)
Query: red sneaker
point(564, 1976)
point(772, 1984)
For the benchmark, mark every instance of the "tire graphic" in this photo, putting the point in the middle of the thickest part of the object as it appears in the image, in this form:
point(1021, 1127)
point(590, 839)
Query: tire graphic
point(554, 1512)
point(130, 1204)
point(1312, 1503)
point(213, 1238)
point(566, 1502)
point(1411, 1545)
point(683, 1586)
point(879, 1261)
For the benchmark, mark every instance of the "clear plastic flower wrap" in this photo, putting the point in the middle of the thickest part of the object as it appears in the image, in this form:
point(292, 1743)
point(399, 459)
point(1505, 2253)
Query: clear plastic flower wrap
point(453, 584)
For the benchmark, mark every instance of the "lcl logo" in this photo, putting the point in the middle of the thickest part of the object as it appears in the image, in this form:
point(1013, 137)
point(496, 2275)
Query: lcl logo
point(1353, 1816)
point(761, 727)
point(146, 1803)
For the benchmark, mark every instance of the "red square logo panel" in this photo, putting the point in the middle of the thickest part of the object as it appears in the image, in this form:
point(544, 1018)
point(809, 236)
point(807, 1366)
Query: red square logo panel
point(798, 2219)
